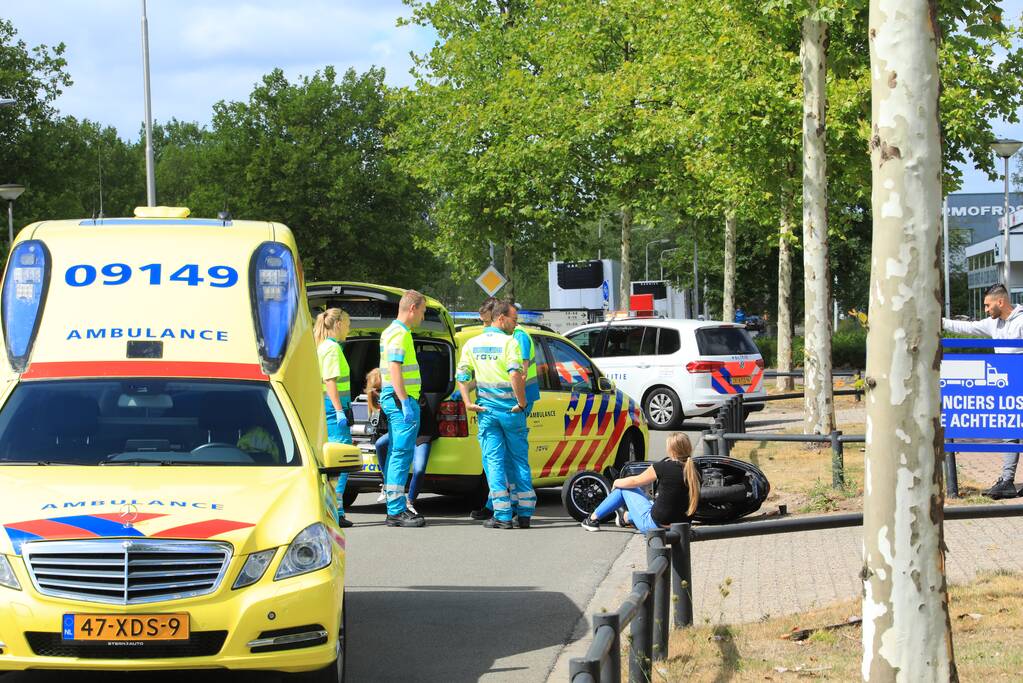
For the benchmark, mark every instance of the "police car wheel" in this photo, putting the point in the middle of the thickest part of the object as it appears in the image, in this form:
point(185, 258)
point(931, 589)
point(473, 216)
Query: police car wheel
point(663, 409)
point(583, 492)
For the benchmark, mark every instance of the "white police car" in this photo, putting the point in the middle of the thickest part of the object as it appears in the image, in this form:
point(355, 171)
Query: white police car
point(675, 368)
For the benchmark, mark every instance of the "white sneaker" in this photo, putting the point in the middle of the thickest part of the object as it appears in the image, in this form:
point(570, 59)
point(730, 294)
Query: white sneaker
point(381, 498)
point(408, 506)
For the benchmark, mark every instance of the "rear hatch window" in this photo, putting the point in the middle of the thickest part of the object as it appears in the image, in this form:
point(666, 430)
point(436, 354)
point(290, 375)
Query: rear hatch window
point(725, 341)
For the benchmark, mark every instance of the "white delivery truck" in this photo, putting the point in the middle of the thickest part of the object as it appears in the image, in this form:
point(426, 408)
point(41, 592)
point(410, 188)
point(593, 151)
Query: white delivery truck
point(972, 373)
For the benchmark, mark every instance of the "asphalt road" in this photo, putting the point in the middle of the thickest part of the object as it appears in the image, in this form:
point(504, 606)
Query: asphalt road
point(453, 601)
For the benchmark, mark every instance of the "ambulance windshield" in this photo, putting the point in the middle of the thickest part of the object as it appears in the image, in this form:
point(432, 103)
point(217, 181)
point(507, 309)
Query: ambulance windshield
point(145, 422)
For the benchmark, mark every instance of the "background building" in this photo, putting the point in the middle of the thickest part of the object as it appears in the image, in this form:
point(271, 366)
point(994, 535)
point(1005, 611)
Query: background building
point(974, 224)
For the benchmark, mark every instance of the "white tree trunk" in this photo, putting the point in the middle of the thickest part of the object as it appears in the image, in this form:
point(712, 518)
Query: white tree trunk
point(626, 289)
point(728, 291)
point(906, 631)
point(509, 268)
point(819, 414)
point(784, 361)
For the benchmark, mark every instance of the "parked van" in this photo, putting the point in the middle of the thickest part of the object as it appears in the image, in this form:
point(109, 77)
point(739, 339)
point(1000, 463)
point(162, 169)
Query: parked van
point(165, 501)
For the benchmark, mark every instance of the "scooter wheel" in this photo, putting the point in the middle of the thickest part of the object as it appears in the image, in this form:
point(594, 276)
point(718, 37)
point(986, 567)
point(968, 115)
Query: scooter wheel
point(583, 492)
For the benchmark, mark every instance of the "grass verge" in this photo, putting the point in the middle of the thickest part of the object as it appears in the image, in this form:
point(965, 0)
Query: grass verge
point(987, 623)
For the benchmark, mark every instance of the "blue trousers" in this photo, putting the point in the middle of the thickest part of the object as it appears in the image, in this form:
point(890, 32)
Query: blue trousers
point(505, 447)
point(518, 474)
point(420, 456)
point(337, 433)
point(635, 501)
point(399, 455)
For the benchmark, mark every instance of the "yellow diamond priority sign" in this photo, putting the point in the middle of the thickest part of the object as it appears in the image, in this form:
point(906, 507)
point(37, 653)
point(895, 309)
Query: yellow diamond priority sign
point(491, 280)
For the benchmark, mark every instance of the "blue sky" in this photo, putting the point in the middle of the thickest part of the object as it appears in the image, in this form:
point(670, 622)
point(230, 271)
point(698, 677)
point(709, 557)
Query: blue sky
point(204, 51)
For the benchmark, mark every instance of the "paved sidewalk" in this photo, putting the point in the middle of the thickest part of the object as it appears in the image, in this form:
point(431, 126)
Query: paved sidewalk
point(789, 573)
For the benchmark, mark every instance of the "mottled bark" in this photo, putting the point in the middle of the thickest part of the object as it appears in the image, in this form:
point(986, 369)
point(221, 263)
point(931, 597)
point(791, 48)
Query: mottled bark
point(784, 362)
point(728, 289)
point(906, 630)
point(819, 416)
point(625, 288)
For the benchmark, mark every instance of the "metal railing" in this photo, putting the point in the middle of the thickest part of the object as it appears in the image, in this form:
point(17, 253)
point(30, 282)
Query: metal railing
point(669, 554)
point(730, 426)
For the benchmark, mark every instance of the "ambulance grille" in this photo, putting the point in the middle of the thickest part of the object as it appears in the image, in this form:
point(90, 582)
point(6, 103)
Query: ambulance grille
point(126, 572)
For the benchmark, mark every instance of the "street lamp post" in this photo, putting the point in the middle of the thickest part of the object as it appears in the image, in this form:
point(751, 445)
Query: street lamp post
point(646, 250)
point(1006, 148)
point(10, 193)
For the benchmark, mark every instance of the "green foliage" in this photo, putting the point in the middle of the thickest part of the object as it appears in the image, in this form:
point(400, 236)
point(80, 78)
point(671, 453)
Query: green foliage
point(848, 350)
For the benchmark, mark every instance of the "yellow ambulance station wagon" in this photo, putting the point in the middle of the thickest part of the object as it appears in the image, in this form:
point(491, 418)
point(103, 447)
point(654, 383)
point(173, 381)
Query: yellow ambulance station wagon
point(165, 501)
point(581, 429)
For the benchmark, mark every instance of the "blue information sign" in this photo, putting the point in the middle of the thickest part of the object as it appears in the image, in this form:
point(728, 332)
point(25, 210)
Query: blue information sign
point(606, 291)
point(981, 395)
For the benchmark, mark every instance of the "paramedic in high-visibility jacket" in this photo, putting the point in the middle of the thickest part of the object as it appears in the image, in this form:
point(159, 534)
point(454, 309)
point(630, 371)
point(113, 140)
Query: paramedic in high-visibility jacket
point(494, 358)
point(399, 399)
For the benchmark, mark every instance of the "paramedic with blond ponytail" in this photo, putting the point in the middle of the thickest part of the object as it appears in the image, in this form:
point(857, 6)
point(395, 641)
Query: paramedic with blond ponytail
point(330, 330)
point(678, 492)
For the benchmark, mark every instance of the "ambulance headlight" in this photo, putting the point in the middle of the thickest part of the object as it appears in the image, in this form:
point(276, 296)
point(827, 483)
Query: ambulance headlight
point(7, 577)
point(274, 300)
point(24, 291)
point(311, 550)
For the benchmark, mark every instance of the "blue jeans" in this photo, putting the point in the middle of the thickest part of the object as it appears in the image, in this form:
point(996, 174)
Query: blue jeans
point(635, 501)
point(337, 433)
point(420, 456)
point(401, 445)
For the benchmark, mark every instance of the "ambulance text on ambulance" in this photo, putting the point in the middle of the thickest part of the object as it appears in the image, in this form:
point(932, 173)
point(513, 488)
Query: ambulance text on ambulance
point(1002, 418)
point(147, 333)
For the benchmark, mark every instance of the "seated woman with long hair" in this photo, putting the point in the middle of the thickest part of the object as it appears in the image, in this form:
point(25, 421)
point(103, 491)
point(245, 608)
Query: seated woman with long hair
point(678, 492)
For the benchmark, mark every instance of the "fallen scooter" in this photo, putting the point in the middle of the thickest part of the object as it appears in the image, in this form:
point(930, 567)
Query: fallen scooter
point(730, 489)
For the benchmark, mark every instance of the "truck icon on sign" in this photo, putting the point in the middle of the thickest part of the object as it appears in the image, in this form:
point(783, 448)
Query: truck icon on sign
point(971, 373)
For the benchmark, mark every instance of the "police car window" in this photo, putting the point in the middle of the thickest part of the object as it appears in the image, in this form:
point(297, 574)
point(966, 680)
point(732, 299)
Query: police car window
point(623, 341)
point(570, 367)
point(724, 341)
point(649, 345)
point(588, 341)
point(668, 342)
point(145, 422)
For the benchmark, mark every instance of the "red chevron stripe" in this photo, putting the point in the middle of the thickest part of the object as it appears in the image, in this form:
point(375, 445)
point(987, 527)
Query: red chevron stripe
point(611, 444)
point(571, 456)
point(549, 465)
point(207, 529)
point(118, 517)
point(757, 379)
point(48, 529)
point(589, 455)
point(608, 417)
point(572, 425)
point(724, 383)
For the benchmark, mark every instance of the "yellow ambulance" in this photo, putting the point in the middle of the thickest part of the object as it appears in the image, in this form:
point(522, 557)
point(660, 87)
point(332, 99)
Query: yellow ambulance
point(580, 430)
point(165, 501)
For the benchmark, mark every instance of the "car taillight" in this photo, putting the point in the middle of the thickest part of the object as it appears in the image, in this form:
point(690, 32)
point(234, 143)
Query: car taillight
point(274, 284)
point(760, 363)
point(451, 419)
point(25, 285)
point(704, 366)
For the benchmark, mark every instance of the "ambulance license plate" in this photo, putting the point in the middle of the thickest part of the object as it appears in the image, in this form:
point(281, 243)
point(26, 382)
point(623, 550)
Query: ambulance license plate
point(742, 381)
point(120, 627)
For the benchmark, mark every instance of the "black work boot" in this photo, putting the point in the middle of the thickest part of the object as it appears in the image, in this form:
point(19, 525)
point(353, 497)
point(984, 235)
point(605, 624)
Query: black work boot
point(495, 523)
point(405, 519)
point(482, 513)
point(523, 522)
point(1003, 488)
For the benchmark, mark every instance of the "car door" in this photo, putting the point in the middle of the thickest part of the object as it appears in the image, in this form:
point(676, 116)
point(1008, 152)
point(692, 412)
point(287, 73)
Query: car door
point(581, 415)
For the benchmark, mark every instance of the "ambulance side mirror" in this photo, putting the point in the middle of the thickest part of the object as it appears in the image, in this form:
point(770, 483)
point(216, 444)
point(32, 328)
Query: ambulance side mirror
point(605, 386)
point(339, 458)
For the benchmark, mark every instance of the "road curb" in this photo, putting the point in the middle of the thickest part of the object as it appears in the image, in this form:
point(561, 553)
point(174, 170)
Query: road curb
point(609, 594)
